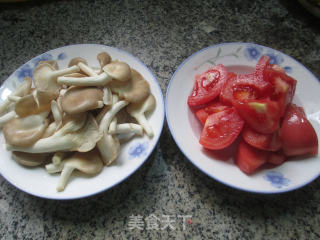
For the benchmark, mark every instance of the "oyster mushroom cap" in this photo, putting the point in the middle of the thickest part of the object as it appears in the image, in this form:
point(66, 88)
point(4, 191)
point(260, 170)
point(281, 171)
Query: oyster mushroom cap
point(119, 71)
point(26, 131)
point(136, 90)
point(76, 60)
point(109, 148)
point(53, 63)
point(81, 99)
point(104, 58)
point(34, 103)
point(45, 76)
point(30, 159)
point(86, 162)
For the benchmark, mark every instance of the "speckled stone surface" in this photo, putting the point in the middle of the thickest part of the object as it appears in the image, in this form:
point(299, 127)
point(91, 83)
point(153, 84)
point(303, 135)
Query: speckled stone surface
point(162, 34)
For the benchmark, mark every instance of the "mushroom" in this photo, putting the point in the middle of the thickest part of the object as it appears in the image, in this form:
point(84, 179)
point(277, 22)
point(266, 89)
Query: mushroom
point(109, 145)
point(99, 80)
point(22, 89)
point(7, 117)
point(65, 139)
point(135, 90)
point(109, 148)
point(30, 159)
point(76, 60)
point(34, 103)
point(87, 162)
point(124, 128)
point(86, 69)
point(58, 157)
point(119, 71)
point(104, 59)
point(138, 110)
point(45, 76)
point(23, 132)
point(107, 96)
point(81, 99)
point(53, 63)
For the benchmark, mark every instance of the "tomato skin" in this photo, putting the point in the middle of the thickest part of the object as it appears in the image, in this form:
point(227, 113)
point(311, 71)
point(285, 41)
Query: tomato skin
point(297, 134)
point(212, 107)
point(249, 158)
point(276, 158)
point(269, 142)
point(207, 86)
point(261, 115)
point(221, 129)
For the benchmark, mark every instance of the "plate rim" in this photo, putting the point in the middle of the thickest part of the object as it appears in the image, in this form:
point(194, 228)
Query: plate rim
point(152, 149)
point(203, 170)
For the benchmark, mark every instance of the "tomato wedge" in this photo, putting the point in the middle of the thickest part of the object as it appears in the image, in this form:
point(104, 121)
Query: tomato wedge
point(297, 134)
point(276, 158)
point(208, 86)
point(212, 107)
point(221, 129)
point(261, 115)
point(282, 86)
point(269, 142)
point(249, 158)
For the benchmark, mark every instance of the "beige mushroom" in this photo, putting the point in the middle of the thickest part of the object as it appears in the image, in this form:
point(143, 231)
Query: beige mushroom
point(87, 162)
point(87, 70)
point(65, 139)
point(53, 63)
point(135, 90)
point(104, 58)
point(81, 99)
point(23, 132)
point(7, 117)
point(109, 148)
point(99, 80)
point(45, 76)
point(34, 103)
point(76, 60)
point(22, 90)
point(138, 110)
point(30, 159)
point(119, 71)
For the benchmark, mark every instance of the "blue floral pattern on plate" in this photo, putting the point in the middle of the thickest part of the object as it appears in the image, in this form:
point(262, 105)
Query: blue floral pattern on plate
point(253, 52)
point(276, 179)
point(27, 69)
point(138, 150)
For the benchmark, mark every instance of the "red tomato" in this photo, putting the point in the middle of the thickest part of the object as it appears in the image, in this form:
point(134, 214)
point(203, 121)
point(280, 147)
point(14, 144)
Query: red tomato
point(221, 129)
point(269, 142)
point(249, 158)
point(276, 158)
point(212, 107)
point(282, 86)
point(297, 134)
point(261, 115)
point(208, 85)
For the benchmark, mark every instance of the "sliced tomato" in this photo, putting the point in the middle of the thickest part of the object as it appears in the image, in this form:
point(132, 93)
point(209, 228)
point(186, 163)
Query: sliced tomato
point(269, 142)
point(261, 115)
point(282, 86)
point(249, 158)
point(221, 129)
point(297, 134)
point(276, 158)
point(208, 86)
point(212, 107)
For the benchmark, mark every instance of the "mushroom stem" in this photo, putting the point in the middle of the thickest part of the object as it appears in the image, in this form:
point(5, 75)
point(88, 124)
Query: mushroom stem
point(56, 112)
point(13, 98)
point(64, 71)
point(107, 96)
point(52, 168)
point(57, 157)
point(107, 118)
point(113, 125)
point(98, 80)
point(129, 128)
point(7, 117)
point(64, 177)
point(141, 119)
point(87, 70)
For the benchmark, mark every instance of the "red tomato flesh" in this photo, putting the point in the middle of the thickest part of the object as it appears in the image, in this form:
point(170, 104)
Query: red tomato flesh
point(276, 158)
point(221, 129)
point(212, 107)
point(297, 134)
point(261, 115)
point(249, 158)
point(269, 142)
point(208, 86)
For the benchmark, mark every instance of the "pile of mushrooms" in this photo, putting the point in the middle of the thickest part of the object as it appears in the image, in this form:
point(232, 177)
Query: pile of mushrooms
point(71, 119)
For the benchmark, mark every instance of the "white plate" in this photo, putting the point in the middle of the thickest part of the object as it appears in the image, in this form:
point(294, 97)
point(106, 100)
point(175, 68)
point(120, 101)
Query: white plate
point(133, 154)
point(185, 128)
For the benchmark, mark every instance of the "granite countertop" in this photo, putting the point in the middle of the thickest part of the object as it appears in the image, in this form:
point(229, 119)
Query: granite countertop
point(162, 34)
